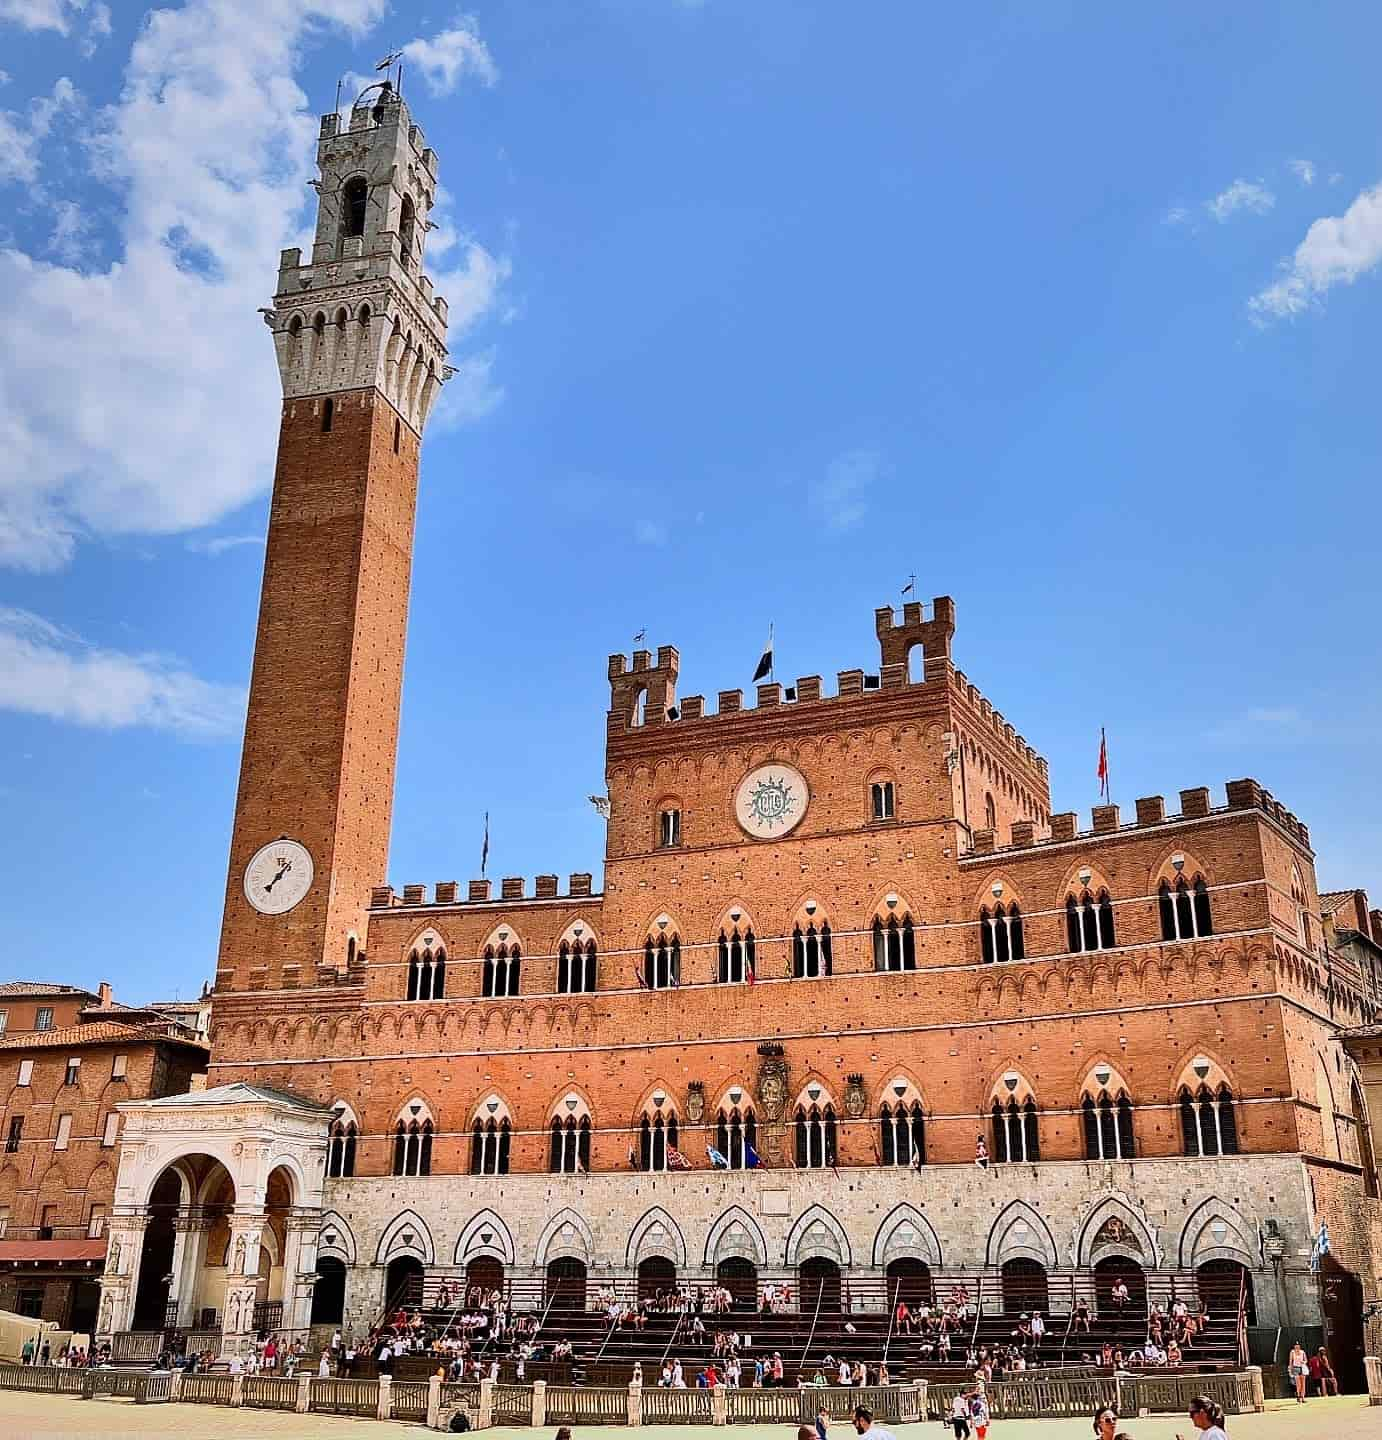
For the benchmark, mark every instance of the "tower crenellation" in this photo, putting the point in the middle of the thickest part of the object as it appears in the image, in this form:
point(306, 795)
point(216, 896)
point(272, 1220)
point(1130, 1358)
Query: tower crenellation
point(360, 313)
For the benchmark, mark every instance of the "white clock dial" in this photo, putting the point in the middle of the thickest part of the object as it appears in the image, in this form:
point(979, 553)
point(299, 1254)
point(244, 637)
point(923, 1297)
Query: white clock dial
point(771, 800)
point(278, 877)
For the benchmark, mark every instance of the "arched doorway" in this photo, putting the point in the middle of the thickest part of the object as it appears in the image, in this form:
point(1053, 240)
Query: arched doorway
point(486, 1273)
point(657, 1275)
point(740, 1278)
point(818, 1281)
point(909, 1280)
point(1107, 1273)
point(565, 1288)
point(156, 1258)
point(1025, 1287)
point(403, 1282)
point(328, 1296)
point(1221, 1284)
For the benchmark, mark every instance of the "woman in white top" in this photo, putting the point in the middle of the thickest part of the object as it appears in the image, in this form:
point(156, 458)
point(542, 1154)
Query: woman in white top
point(1298, 1367)
point(1207, 1418)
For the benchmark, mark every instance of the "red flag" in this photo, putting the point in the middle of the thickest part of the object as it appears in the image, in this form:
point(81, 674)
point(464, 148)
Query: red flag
point(676, 1160)
point(749, 976)
point(1103, 764)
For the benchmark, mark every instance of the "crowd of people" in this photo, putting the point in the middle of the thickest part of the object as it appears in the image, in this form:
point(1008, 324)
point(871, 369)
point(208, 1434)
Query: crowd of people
point(37, 1351)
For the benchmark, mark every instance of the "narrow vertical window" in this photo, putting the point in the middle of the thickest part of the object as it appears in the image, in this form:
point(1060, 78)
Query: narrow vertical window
point(397, 433)
point(328, 413)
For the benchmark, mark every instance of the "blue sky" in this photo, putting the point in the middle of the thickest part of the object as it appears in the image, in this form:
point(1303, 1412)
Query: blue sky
point(1072, 311)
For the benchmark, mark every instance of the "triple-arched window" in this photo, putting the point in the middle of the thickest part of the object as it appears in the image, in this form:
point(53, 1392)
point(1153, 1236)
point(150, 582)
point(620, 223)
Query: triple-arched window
point(1000, 933)
point(894, 944)
point(340, 1147)
point(736, 1136)
point(575, 967)
point(1208, 1123)
point(811, 951)
point(412, 1147)
point(570, 1154)
point(657, 1138)
point(1089, 921)
point(502, 964)
point(1107, 1126)
point(489, 1145)
point(815, 1136)
point(736, 956)
point(1184, 909)
point(902, 1133)
point(662, 962)
point(1015, 1137)
point(427, 974)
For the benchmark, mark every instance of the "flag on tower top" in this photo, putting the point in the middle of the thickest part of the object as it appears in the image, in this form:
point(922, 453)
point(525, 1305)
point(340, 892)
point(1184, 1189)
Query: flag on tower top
point(484, 849)
point(765, 661)
point(1103, 764)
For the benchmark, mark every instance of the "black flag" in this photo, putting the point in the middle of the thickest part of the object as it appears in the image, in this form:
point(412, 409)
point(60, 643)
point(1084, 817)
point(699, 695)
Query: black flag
point(765, 661)
point(484, 851)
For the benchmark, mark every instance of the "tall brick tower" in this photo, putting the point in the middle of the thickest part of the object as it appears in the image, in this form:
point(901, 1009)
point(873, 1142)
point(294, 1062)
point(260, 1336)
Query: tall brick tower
point(360, 339)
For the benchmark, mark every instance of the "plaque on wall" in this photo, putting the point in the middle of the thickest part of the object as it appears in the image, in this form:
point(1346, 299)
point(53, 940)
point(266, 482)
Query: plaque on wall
point(771, 801)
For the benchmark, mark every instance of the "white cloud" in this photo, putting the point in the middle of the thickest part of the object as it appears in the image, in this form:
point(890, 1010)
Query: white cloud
point(1337, 249)
point(1176, 215)
point(219, 544)
point(143, 397)
point(1241, 195)
point(840, 496)
point(46, 670)
point(21, 135)
point(39, 14)
point(450, 54)
point(1303, 170)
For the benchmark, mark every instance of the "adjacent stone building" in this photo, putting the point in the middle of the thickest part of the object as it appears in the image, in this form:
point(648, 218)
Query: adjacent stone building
point(842, 944)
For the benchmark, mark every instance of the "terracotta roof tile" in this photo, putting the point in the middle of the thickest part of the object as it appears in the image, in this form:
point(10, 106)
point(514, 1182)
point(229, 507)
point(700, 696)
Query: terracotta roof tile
point(97, 1032)
point(42, 987)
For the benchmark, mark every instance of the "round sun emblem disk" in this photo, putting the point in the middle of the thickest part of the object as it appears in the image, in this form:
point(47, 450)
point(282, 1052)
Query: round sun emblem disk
point(771, 801)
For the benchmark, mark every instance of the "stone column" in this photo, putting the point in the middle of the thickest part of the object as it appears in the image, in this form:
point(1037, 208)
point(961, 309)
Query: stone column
point(385, 1407)
point(120, 1281)
point(486, 1406)
point(635, 1404)
point(189, 1255)
point(237, 1324)
point(719, 1406)
point(433, 1401)
point(300, 1268)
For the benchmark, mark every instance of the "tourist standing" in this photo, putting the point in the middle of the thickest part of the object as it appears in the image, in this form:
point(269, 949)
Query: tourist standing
point(1298, 1367)
point(959, 1416)
point(1208, 1418)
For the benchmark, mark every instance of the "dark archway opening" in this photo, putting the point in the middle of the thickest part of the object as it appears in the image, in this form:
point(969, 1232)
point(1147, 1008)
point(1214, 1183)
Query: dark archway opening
point(657, 1275)
point(328, 1296)
point(1222, 1283)
point(565, 1288)
point(819, 1282)
point(156, 1260)
point(740, 1278)
point(403, 1282)
point(486, 1273)
point(909, 1281)
point(1025, 1286)
point(1107, 1273)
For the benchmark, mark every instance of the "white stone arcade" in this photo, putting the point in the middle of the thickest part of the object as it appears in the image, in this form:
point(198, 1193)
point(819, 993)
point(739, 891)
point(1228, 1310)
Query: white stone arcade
point(218, 1206)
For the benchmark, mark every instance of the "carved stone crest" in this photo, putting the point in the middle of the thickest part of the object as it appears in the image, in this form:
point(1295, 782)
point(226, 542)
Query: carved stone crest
point(772, 1086)
point(695, 1102)
point(1114, 1232)
point(856, 1101)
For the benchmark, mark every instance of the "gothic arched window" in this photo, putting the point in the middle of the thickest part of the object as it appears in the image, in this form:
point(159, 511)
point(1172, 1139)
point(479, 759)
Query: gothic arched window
point(576, 967)
point(736, 1134)
point(1185, 913)
point(1000, 934)
point(1015, 1136)
point(570, 1153)
point(427, 974)
point(1107, 1118)
point(340, 1147)
point(354, 203)
point(894, 944)
point(1089, 921)
point(489, 1146)
point(811, 951)
point(1209, 1124)
point(736, 956)
point(662, 962)
point(501, 977)
point(902, 1131)
point(815, 1136)
point(412, 1152)
point(657, 1135)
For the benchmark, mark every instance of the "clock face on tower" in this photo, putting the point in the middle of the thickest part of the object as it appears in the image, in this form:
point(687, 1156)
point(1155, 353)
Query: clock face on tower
point(771, 800)
point(278, 877)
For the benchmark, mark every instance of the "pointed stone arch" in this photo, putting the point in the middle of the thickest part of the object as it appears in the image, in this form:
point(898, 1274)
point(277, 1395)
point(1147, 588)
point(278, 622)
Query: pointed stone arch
point(1092, 1240)
point(655, 1233)
point(1214, 1230)
point(485, 1234)
point(906, 1233)
point(736, 1233)
point(1020, 1231)
point(816, 1232)
point(341, 1245)
point(566, 1233)
point(406, 1234)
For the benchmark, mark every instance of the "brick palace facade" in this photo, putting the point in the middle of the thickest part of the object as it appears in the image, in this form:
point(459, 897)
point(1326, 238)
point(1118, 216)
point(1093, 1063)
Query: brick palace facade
point(840, 929)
